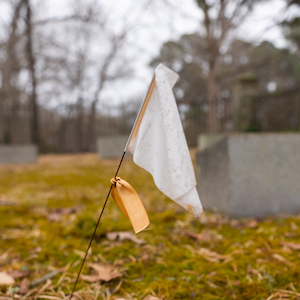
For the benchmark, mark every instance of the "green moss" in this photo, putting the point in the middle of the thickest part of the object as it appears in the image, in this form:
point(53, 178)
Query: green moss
point(170, 265)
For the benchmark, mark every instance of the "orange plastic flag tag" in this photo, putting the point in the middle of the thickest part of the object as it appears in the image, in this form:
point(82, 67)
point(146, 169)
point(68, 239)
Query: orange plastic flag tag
point(129, 203)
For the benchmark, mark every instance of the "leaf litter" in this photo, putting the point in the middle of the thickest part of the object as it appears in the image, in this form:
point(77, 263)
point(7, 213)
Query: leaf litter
point(48, 212)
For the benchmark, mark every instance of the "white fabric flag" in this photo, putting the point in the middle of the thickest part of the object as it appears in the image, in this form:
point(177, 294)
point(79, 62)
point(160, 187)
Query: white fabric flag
point(158, 143)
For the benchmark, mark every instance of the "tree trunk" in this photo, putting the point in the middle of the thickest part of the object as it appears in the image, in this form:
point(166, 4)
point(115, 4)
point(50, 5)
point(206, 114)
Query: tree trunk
point(212, 90)
point(91, 127)
point(79, 127)
point(15, 120)
point(31, 65)
point(8, 93)
point(212, 118)
point(1, 118)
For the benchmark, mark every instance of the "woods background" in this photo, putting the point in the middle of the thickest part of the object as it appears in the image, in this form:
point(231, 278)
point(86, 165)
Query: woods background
point(58, 74)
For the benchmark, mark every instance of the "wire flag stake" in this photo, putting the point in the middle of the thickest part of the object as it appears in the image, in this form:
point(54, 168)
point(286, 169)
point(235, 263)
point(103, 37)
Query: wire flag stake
point(94, 233)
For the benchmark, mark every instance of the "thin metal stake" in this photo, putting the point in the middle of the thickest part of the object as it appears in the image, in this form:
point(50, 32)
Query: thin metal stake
point(88, 248)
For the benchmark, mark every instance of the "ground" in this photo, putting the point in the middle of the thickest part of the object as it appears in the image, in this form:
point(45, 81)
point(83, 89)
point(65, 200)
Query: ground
point(48, 212)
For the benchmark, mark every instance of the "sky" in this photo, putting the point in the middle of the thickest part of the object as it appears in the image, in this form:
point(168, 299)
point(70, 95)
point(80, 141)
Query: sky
point(152, 25)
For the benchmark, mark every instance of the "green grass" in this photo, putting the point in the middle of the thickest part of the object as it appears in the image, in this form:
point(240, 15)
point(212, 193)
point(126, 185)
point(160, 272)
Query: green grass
point(216, 258)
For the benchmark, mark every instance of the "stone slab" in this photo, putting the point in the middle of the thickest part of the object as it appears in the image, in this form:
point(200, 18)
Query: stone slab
point(111, 147)
point(251, 175)
point(18, 154)
point(205, 141)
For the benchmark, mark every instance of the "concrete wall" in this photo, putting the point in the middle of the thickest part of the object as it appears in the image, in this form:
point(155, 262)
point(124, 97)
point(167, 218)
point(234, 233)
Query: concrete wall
point(251, 175)
point(111, 147)
point(18, 154)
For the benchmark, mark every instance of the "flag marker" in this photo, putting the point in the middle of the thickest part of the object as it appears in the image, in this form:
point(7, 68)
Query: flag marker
point(159, 146)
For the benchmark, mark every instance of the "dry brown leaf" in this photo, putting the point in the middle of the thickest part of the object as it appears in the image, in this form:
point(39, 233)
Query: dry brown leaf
point(54, 217)
point(211, 274)
point(234, 223)
point(16, 274)
point(255, 272)
point(291, 245)
point(212, 219)
point(281, 258)
point(236, 282)
point(124, 235)
point(90, 278)
point(6, 279)
point(56, 214)
point(210, 256)
point(204, 236)
point(7, 203)
point(81, 254)
point(251, 223)
point(104, 273)
point(35, 250)
point(212, 285)
point(238, 224)
point(24, 286)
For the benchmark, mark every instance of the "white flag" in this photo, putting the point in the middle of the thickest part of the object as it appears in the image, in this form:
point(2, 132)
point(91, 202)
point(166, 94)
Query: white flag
point(158, 143)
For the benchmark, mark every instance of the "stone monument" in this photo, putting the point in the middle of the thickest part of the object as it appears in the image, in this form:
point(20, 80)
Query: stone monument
point(111, 147)
point(250, 175)
point(18, 154)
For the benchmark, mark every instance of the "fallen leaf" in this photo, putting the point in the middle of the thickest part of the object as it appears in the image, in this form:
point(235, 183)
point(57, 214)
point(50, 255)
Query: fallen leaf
point(150, 297)
point(35, 250)
point(6, 279)
point(255, 272)
point(235, 223)
point(210, 256)
point(16, 274)
point(236, 282)
point(124, 235)
point(24, 286)
point(212, 285)
point(292, 245)
point(250, 223)
point(239, 224)
point(211, 274)
point(56, 214)
point(204, 236)
point(54, 217)
point(7, 203)
point(90, 278)
point(81, 254)
point(104, 273)
point(281, 258)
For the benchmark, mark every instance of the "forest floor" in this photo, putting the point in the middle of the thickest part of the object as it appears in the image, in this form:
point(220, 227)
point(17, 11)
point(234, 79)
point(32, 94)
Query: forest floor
point(48, 212)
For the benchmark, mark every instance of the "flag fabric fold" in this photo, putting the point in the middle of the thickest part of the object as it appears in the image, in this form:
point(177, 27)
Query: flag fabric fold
point(158, 143)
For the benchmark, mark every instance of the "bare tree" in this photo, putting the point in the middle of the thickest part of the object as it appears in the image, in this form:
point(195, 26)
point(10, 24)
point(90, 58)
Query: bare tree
point(104, 77)
point(69, 64)
point(9, 92)
point(220, 18)
point(31, 66)
point(81, 74)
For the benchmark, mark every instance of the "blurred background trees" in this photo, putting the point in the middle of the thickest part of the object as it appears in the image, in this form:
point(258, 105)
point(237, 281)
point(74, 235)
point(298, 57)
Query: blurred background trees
point(59, 72)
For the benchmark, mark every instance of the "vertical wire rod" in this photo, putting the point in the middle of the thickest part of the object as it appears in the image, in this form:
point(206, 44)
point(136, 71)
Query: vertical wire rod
point(94, 233)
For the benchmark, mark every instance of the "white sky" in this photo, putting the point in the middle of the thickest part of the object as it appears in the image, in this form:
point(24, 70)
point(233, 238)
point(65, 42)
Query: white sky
point(159, 24)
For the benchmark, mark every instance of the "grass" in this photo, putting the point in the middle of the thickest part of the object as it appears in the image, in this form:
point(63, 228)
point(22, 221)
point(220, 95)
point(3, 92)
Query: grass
point(182, 258)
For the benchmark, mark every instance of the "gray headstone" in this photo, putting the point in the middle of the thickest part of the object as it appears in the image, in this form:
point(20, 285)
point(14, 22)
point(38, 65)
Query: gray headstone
point(111, 147)
point(251, 175)
point(18, 154)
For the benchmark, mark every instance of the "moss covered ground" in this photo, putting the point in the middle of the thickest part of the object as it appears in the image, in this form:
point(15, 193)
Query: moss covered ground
point(48, 212)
